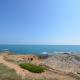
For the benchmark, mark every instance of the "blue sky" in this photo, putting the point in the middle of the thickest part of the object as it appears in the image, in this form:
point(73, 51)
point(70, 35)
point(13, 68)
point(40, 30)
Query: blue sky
point(55, 22)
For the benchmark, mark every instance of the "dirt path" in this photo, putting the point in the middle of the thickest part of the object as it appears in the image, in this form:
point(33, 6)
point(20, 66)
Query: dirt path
point(19, 70)
point(25, 73)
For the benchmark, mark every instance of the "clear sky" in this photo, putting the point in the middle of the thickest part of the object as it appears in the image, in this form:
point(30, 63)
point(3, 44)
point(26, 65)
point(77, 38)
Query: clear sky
point(40, 22)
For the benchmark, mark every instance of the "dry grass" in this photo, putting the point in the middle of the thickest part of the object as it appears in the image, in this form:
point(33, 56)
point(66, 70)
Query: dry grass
point(8, 74)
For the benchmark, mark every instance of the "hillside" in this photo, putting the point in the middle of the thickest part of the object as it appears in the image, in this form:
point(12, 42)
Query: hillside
point(59, 67)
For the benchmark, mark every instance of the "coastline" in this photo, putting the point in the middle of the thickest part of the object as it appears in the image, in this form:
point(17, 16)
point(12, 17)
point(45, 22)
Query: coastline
point(64, 65)
point(40, 49)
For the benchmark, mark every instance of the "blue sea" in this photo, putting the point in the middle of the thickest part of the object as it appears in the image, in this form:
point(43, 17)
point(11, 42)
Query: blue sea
point(39, 49)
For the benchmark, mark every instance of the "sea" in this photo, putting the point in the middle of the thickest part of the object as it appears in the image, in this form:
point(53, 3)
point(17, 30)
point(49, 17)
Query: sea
point(40, 49)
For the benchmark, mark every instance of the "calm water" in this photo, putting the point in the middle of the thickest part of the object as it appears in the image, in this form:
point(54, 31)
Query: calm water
point(38, 49)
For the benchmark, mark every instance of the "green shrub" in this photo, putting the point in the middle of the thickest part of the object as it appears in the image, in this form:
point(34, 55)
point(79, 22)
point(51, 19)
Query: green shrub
point(33, 68)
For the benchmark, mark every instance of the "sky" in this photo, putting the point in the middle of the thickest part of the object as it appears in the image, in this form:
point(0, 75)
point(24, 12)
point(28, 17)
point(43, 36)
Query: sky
point(54, 22)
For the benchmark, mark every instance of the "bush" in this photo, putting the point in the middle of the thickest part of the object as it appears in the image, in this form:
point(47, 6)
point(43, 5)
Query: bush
point(32, 67)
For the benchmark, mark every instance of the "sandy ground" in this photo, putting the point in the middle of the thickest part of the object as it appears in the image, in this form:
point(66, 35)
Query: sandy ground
point(24, 73)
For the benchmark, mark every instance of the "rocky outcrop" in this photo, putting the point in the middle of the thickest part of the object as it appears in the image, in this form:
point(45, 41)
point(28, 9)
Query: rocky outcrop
point(64, 62)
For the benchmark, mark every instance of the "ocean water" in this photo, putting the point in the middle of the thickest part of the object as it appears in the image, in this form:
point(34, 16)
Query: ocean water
point(40, 49)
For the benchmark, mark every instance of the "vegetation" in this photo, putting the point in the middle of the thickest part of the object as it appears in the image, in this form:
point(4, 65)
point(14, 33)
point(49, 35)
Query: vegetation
point(33, 68)
point(8, 74)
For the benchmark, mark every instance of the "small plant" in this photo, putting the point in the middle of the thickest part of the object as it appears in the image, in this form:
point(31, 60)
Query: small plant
point(32, 67)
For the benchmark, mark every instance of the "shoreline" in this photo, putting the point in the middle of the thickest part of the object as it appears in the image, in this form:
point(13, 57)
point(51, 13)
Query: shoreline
point(59, 65)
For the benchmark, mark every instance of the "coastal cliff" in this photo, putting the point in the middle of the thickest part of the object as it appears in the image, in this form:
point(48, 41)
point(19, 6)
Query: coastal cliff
point(59, 67)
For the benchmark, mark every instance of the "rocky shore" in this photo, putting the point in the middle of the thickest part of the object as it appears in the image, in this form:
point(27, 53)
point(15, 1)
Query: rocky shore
point(63, 66)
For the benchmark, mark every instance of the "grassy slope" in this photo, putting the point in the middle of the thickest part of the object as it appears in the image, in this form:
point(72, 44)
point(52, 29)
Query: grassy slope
point(10, 74)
